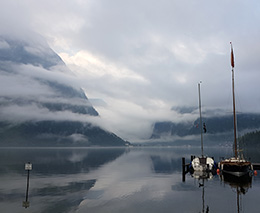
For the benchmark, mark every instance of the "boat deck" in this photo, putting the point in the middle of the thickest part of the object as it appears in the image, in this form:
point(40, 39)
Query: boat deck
point(236, 163)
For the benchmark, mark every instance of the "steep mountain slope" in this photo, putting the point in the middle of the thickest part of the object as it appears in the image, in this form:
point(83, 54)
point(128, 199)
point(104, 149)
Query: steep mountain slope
point(41, 103)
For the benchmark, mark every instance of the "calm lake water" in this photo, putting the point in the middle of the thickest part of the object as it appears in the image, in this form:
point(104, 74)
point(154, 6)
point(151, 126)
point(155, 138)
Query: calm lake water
point(118, 180)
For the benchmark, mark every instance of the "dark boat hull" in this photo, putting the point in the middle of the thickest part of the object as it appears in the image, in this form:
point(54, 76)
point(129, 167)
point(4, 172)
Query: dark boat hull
point(236, 168)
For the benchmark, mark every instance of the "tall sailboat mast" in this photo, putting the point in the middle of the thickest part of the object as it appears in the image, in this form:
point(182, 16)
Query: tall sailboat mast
point(234, 102)
point(203, 163)
point(236, 166)
point(201, 135)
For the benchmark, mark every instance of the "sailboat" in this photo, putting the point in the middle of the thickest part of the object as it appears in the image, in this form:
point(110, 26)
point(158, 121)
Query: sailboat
point(235, 166)
point(202, 163)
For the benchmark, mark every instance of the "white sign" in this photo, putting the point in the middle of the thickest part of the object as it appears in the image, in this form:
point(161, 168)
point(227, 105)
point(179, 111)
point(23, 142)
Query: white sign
point(28, 166)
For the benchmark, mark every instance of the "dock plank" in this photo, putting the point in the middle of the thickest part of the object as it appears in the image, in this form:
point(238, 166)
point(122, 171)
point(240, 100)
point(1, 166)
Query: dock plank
point(256, 166)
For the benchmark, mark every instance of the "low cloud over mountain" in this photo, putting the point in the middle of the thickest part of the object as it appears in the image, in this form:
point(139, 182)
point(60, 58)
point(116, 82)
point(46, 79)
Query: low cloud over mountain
point(40, 100)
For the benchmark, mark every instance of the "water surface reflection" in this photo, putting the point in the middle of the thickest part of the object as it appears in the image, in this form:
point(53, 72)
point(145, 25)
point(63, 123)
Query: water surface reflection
point(115, 180)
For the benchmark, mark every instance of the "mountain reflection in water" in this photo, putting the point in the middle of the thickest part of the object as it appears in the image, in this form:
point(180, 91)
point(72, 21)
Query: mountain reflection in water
point(115, 180)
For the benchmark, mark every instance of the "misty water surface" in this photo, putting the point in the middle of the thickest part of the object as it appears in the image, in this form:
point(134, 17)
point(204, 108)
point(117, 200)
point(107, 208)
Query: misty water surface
point(116, 180)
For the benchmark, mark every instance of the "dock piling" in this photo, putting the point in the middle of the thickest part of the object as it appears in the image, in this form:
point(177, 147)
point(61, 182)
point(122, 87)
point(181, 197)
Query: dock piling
point(185, 169)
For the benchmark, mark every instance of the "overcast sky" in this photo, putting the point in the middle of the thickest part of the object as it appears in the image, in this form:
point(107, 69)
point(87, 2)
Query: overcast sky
point(142, 57)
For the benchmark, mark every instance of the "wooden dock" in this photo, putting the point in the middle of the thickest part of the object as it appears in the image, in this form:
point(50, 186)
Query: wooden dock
point(256, 166)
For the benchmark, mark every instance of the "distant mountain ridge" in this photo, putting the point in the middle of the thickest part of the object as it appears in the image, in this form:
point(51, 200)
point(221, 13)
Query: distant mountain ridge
point(56, 133)
point(214, 125)
point(40, 105)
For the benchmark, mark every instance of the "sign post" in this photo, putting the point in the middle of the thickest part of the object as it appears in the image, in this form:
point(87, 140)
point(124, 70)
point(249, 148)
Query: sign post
point(28, 168)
